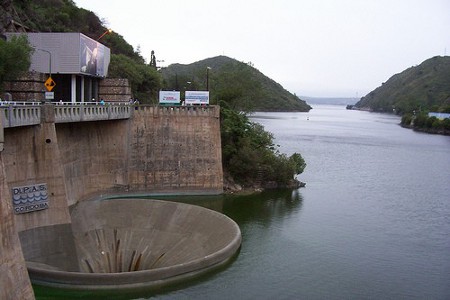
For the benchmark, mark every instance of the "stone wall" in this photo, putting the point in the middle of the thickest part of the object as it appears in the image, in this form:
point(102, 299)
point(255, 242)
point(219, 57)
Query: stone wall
point(114, 90)
point(175, 148)
point(157, 150)
point(29, 87)
point(94, 157)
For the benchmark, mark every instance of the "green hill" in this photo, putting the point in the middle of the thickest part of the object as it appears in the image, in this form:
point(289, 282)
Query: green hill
point(239, 84)
point(425, 87)
point(62, 16)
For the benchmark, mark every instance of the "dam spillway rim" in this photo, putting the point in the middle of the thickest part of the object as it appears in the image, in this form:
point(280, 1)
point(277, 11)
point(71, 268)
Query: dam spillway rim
point(45, 275)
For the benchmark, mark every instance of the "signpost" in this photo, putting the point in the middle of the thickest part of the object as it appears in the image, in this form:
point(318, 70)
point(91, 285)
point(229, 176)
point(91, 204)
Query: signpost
point(49, 85)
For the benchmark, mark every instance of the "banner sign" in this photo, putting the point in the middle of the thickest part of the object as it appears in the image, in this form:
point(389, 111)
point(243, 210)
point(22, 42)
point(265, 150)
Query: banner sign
point(92, 57)
point(169, 97)
point(196, 97)
point(29, 198)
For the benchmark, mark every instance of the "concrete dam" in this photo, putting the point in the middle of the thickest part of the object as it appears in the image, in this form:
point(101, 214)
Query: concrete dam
point(65, 171)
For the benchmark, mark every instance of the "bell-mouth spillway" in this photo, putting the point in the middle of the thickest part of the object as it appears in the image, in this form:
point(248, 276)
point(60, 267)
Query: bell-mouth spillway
point(120, 244)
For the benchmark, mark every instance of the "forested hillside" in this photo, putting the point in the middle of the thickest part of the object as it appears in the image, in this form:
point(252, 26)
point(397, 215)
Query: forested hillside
point(425, 87)
point(64, 16)
point(239, 84)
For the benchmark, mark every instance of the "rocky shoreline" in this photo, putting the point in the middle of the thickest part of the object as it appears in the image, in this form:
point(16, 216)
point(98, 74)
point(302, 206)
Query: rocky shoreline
point(428, 130)
point(231, 187)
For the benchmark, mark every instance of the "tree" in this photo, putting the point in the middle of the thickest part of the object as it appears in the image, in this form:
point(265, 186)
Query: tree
point(249, 155)
point(15, 58)
point(153, 59)
point(298, 163)
point(237, 86)
point(145, 81)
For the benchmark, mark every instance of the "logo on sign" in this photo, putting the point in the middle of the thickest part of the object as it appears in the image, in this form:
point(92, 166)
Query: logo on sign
point(29, 198)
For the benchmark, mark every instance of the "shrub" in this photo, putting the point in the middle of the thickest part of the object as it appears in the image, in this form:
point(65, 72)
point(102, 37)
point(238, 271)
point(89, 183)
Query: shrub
point(430, 121)
point(249, 155)
point(406, 119)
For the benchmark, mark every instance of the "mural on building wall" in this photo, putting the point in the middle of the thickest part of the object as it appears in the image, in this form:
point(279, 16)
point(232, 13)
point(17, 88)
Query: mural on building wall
point(92, 57)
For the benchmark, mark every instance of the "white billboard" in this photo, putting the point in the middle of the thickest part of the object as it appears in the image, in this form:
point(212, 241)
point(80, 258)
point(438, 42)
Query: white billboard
point(67, 53)
point(169, 97)
point(196, 97)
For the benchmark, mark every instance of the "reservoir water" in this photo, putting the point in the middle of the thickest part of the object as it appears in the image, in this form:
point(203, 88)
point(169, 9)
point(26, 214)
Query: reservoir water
point(373, 221)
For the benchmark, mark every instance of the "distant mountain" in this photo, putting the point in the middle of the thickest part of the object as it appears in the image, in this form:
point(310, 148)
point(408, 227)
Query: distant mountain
point(423, 87)
point(237, 84)
point(330, 100)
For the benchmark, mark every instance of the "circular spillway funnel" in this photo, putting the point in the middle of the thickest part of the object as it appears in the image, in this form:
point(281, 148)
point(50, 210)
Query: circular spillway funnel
point(130, 243)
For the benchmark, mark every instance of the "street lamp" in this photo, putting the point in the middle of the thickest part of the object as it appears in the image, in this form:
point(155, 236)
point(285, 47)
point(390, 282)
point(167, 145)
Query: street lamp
point(207, 78)
point(49, 60)
point(104, 33)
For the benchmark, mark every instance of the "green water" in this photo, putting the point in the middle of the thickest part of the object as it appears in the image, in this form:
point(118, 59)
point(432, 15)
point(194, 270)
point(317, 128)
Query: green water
point(373, 221)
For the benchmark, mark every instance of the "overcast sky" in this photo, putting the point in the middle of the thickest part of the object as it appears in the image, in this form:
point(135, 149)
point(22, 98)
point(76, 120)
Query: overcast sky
point(320, 48)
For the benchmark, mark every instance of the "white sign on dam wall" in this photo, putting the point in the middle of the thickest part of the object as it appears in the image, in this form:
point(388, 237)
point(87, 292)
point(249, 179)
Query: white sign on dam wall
point(29, 198)
point(169, 97)
point(196, 97)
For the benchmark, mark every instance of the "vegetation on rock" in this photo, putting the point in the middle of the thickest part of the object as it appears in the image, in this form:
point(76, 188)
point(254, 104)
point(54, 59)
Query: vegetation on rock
point(421, 88)
point(250, 157)
point(425, 123)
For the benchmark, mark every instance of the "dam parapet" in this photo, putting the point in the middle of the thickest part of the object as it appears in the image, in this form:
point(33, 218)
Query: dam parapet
point(16, 114)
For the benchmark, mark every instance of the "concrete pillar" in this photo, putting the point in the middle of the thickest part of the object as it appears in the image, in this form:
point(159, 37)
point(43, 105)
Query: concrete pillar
point(14, 280)
point(48, 113)
point(43, 166)
point(82, 89)
point(73, 89)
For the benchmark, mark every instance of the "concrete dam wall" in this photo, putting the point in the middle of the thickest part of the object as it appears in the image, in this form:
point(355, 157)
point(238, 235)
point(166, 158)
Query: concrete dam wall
point(155, 150)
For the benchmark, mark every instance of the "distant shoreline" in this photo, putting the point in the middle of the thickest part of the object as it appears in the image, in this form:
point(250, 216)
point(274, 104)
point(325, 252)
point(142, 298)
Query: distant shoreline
point(330, 100)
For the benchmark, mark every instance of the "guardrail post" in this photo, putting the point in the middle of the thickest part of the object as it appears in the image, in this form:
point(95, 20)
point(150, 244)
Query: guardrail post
point(10, 113)
point(48, 113)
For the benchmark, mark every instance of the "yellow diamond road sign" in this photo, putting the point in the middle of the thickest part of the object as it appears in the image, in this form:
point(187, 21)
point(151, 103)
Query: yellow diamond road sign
point(49, 84)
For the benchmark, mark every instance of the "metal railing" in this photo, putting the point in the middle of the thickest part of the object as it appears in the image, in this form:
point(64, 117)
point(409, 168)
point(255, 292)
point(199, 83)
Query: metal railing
point(21, 115)
point(91, 112)
point(16, 114)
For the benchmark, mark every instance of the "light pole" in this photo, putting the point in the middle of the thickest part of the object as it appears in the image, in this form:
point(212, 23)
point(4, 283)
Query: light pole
point(49, 61)
point(207, 78)
point(104, 33)
point(49, 83)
